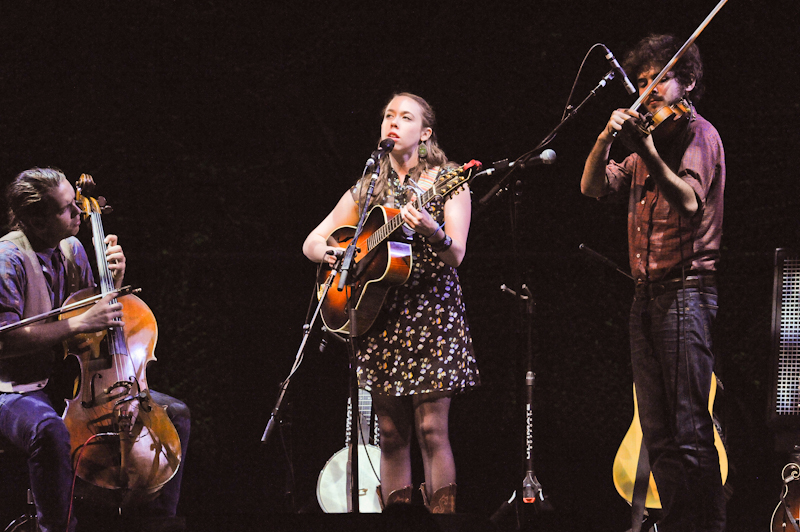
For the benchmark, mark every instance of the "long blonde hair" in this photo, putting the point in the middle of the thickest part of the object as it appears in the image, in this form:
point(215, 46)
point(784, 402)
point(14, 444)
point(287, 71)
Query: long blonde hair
point(436, 156)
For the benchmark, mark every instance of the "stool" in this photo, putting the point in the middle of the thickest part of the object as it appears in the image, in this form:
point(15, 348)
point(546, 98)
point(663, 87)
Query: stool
point(11, 457)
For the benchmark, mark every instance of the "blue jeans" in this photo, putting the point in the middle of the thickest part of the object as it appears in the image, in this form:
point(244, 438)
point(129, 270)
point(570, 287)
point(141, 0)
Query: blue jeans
point(672, 368)
point(31, 424)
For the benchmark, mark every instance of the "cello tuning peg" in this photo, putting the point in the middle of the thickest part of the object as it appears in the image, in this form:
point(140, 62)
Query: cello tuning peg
point(105, 208)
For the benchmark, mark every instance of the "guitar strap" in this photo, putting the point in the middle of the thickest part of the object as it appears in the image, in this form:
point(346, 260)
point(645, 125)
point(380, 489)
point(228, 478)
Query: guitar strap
point(428, 178)
point(640, 489)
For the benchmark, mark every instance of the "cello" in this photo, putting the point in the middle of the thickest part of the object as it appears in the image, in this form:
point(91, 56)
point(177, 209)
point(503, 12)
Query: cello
point(120, 439)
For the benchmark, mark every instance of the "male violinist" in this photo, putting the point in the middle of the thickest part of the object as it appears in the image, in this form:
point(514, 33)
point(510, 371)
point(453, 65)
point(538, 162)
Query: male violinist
point(673, 186)
point(41, 264)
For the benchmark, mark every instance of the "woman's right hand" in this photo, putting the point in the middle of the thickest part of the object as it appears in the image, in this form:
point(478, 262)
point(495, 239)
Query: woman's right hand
point(331, 255)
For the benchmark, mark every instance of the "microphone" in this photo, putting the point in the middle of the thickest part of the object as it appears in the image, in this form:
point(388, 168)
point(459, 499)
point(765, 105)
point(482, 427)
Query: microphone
point(384, 147)
point(546, 157)
point(618, 70)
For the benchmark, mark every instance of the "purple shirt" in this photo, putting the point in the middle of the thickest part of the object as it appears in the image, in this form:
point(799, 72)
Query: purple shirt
point(32, 371)
point(13, 278)
point(661, 241)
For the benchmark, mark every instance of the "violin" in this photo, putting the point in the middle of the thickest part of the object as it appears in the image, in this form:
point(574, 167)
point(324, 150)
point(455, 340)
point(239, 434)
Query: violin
point(121, 440)
point(666, 120)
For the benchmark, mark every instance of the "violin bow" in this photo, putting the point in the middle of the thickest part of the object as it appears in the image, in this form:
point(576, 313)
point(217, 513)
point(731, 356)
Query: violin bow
point(677, 56)
point(124, 291)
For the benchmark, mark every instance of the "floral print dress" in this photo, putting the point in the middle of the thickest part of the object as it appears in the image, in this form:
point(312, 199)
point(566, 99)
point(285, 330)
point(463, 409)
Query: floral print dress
point(420, 341)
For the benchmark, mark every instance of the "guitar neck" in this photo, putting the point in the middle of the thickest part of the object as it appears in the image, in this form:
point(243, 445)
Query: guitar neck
point(395, 222)
point(443, 186)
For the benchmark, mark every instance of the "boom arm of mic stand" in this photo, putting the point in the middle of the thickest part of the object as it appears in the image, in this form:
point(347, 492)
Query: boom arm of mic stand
point(574, 110)
point(550, 136)
point(274, 417)
point(501, 184)
point(603, 260)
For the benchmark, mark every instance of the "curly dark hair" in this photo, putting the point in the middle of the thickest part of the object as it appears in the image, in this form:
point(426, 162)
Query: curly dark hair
point(657, 50)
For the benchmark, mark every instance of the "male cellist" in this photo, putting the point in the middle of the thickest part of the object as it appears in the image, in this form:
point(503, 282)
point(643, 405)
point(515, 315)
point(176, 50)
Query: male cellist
point(674, 191)
point(41, 264)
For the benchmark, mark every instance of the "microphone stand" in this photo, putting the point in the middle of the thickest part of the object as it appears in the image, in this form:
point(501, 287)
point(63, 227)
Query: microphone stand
point(533, 496)
point(342, 266)
point(532, 490)
point(350, 252)
point(349, 256)
point(274, 418)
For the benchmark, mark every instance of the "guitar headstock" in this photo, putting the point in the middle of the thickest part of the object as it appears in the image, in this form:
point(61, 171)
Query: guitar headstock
point(453, 182)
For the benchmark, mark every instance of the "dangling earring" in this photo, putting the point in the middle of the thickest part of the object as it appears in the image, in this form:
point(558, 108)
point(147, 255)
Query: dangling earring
point(422, 151)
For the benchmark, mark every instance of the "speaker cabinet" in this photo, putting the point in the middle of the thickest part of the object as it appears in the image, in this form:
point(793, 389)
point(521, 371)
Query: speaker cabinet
point(785, 400)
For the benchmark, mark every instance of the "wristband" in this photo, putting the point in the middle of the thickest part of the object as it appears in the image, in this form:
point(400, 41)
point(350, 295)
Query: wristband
point(444, 245)
point(435, 230)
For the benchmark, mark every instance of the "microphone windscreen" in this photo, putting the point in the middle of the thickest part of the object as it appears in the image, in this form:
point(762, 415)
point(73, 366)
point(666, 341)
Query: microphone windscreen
point(386, 145)
point(548, 156)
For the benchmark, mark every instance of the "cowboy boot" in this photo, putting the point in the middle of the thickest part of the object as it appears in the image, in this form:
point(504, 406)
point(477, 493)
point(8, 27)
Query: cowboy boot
point(402, 495)
point(443, 500)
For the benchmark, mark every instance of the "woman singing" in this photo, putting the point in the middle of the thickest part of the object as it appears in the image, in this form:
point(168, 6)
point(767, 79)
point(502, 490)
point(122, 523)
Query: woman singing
point(418, 353)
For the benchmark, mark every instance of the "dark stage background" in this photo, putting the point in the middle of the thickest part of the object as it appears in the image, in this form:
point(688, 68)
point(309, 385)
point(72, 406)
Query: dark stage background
point(223, 132)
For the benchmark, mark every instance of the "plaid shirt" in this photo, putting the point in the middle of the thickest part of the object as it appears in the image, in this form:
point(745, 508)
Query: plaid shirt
point(660, 241)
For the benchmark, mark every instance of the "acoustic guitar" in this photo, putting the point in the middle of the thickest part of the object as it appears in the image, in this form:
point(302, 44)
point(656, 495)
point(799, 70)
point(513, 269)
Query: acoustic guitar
point(626, 463)
point(382, 260)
